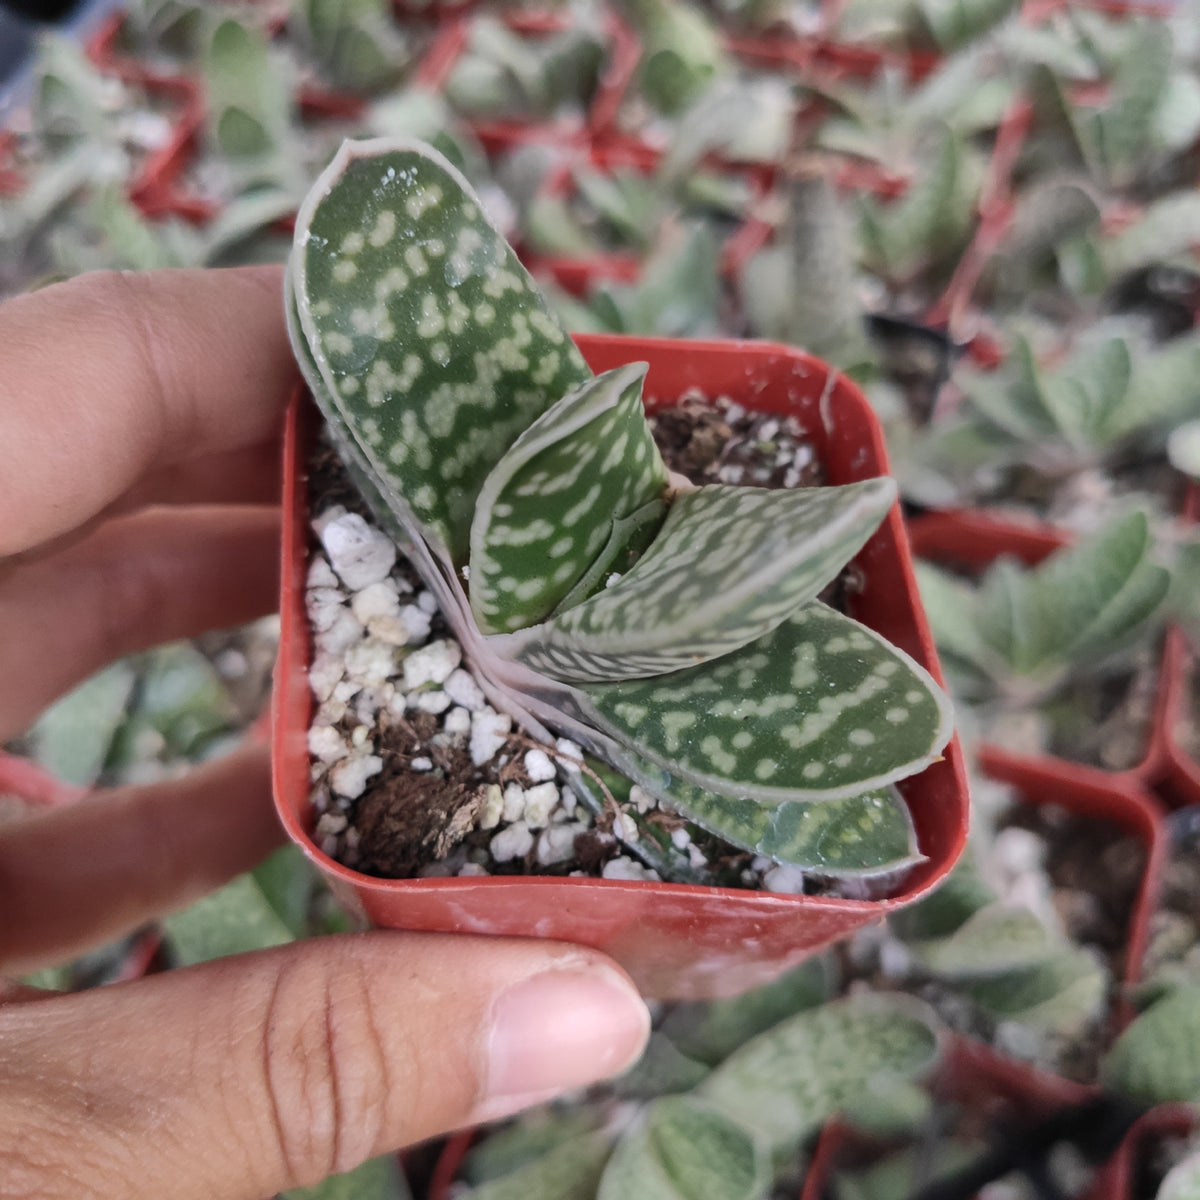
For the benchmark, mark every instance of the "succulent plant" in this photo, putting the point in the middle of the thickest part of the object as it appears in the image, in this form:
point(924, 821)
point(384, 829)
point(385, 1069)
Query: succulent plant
point(673, 631)
point(1021, 632)
point(729, 1136)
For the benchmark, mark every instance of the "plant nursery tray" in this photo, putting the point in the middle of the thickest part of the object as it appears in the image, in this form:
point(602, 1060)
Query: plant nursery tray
point(676, 940)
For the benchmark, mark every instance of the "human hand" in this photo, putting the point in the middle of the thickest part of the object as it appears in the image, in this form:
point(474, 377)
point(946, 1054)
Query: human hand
point(141, 416)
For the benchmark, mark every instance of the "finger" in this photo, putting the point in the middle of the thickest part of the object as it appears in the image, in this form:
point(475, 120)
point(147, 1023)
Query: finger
point(269, 1071)
point(248, 476)
point(110, 376)
point(136, 581)
point(72, 878)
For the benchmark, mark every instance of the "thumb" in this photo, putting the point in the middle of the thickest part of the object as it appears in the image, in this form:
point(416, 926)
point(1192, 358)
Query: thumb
point(247, 1076)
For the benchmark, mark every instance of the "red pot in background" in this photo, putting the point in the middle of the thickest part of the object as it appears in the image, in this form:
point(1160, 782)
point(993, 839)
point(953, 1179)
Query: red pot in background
point(154, 189)
point(1097, 796)
point(1117, 1179)
point(503, 133)
point(577, 274)
point(676, 940)
point(970, 1075)
point(973, 539)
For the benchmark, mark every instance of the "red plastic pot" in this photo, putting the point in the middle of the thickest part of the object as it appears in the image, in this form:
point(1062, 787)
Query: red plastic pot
point(499, 135)
point(972, 1075)
point(972, 539)
point(1097, 796)
point(676, 940)
point(576, 274)
point(1117, 1179)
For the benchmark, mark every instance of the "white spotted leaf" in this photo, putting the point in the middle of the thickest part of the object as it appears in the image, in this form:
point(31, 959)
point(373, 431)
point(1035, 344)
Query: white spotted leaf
point(548, 507)
point(861, 836)
point(432, 340)
point(820, 1062)
point(728, 565)
point(820, 708)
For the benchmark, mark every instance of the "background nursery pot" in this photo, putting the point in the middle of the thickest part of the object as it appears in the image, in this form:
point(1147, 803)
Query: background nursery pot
point(676, 940)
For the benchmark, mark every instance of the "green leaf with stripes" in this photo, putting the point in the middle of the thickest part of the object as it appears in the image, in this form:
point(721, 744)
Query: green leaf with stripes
point(547, 509)
point(820, 708)
point(728, 565)
point(432, 341)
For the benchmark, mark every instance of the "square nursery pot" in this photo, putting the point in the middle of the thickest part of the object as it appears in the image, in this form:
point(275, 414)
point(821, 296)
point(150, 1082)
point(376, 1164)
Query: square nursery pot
point(676, 940)
point(971, 539)
point(1092, 796)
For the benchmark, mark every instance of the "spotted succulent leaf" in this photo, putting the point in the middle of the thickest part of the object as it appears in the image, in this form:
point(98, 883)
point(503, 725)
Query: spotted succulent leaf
point(863, 836)
point(431, 339)
point(819, 709)
point(728, 565)
point(547, 508)
point(1157, 1058)
point(682, 1149)
point(818, 1062)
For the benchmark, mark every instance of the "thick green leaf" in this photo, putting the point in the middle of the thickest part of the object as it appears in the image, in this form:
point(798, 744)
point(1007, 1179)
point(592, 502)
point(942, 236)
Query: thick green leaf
point(548, 507)
point(248, 93)
point(835, 711)
point(962, 894)
point(1157, 1058)
point(1125, 123)
point(378, 1179)
point(994, 941)
point(1163, 392)
point(432, 340)
point(728, 566)
point(856, 836)
point(1168, 227)
point(710, 1031)
point(522, 1142)
point(569, 1171)
point(814, 1064)
point(685, 1150)
point(233, 920)
point(74, 736)
point(1059, 995)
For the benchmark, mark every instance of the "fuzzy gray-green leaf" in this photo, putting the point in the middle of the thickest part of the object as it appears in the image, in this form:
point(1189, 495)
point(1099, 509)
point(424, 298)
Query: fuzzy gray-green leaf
point(728, 565)
point(434, 342)
point(820, 708)
point(816, 1063)
point(685, 1150)
point(1157, 1058)
point(548, 506)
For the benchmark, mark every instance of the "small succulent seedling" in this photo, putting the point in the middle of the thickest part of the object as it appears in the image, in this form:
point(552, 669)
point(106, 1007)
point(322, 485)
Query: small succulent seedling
point(730, 1135)
point(673, 631)
point(1022, 632)
point(1109, 394)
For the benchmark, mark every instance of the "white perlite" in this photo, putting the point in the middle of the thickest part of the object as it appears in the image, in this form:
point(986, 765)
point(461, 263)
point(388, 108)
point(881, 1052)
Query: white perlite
point(786, 879)
point(625, 868)
point(377, 600)
point(433, 663)
point(349, 777)
point(557, 843)
point(359, 554)
point(325, 743)
point(540, 802)
point(493, 808)
point(489, 732)
point(539, 766)
point(514, 842)
point(457, 722)
point(461, 687)
point(514, 802)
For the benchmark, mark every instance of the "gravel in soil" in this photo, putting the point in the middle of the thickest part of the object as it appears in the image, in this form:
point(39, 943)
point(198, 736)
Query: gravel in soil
point(415, 774)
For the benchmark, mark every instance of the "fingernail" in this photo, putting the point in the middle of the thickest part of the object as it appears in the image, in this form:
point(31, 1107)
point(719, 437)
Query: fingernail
point(560, 1030)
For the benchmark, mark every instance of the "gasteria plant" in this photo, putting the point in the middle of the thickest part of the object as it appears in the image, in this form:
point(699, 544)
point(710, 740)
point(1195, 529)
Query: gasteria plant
point(674, 631)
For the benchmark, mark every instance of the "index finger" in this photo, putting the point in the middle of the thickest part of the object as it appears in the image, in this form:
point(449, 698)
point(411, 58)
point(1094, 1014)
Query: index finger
point(111, 376)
